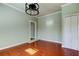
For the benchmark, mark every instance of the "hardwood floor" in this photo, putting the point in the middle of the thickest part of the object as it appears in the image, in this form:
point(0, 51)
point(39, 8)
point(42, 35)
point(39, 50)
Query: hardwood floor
point(70, 52)
point(44, 49)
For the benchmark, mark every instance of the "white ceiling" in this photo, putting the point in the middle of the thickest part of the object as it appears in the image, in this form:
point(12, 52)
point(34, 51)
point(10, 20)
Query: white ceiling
point(44, 8)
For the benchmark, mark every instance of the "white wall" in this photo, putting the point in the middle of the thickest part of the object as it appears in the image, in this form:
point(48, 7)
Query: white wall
point(49, 27)
point(14, 26)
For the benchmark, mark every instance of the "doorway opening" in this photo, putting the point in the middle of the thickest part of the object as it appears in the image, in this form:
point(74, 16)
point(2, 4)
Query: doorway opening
point(33, 30)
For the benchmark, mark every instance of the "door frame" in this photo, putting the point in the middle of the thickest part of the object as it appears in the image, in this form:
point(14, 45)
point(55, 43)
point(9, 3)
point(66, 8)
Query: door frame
point(35, 28)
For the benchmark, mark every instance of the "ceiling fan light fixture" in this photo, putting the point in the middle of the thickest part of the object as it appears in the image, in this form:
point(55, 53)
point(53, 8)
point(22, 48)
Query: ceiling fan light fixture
point(32, 9)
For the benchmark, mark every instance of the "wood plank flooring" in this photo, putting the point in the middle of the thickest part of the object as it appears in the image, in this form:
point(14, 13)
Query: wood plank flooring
point(70, 52)
point(44, 49)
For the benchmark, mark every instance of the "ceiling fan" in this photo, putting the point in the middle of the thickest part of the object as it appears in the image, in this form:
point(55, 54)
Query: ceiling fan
point(32, 9)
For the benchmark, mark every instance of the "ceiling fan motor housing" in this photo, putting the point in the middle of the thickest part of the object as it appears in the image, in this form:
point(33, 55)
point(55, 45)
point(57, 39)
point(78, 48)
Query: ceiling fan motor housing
point(32, 9)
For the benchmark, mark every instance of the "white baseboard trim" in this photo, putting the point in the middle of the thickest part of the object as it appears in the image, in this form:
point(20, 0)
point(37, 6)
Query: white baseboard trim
point(33, 41)
point(51, 41)
point(17, 44)
point(62, 45)
point(69, 48)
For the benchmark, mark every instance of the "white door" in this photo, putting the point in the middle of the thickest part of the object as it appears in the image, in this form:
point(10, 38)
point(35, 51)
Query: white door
point(67, 32)
point(74, 32)
point(71, 30)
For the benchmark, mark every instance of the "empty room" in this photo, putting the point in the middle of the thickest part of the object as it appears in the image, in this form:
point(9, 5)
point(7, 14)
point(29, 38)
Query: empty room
point(39, 29)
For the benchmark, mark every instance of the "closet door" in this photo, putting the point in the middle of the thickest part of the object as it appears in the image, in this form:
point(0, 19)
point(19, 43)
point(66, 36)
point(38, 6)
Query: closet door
point(74, 32)
point(67, 32)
